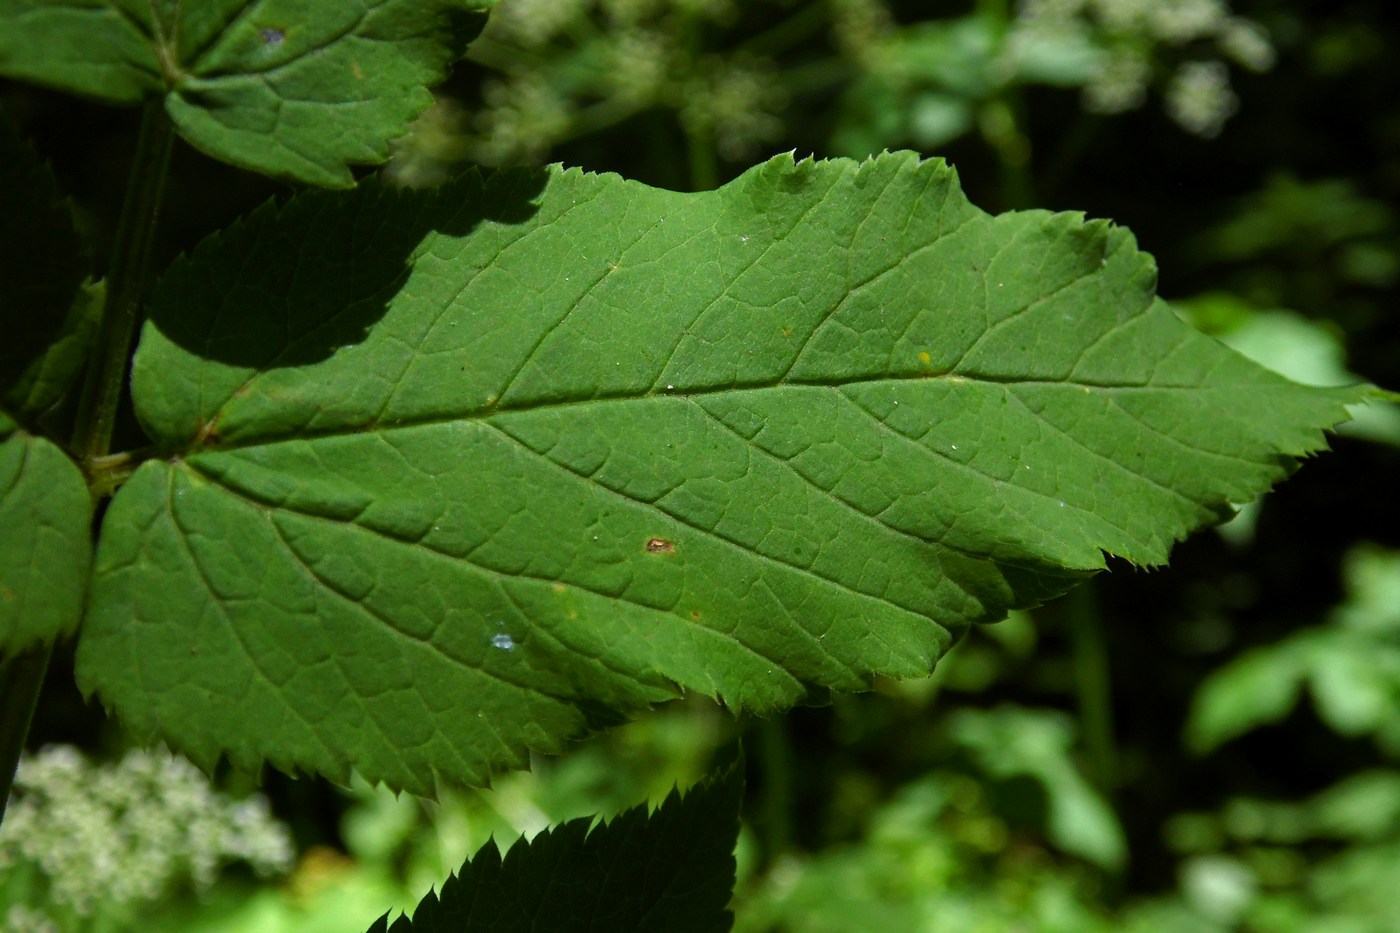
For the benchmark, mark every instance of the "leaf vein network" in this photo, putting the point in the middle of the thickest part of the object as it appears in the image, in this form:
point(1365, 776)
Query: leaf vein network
point(264, 73)
point(457, 561)
point(994, 481)
point(787, 464)
point(184, 536)
point(707, 532)
point(868, 281)
point(724, 292)
point(388, 622)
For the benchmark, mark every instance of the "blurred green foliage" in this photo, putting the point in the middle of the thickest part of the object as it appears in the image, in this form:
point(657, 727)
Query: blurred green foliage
point(1216, 747)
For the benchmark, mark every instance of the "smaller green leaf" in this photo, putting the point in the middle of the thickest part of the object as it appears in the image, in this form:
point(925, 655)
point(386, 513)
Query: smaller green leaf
point(43, 382)
point(45, 545)
point(1352, 692)
point(1360, 806)
point(1256, 688)
point(1013, 742)
point(670, 871)
point(297, 90)
point(95, 48)
point(1350, 664)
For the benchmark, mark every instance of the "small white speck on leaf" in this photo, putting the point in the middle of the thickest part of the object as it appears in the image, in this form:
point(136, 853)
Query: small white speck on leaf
point(502, 641)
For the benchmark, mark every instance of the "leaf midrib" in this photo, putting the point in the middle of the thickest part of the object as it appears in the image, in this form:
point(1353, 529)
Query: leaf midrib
point(227, 444)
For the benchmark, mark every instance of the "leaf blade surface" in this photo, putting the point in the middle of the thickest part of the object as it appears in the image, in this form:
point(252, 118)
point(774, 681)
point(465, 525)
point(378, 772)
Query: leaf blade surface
point(458, 474)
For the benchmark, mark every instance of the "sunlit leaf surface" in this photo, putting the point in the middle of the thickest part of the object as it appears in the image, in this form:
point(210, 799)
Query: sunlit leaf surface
point(453, 475)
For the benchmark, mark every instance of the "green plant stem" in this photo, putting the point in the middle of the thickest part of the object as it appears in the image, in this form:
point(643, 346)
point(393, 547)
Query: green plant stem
point(700, 157)
point(126, 285)
point(1092, 685)
point(21, 677)
point(776, 805)
point(107, 473)
point(701, 163)
point(808, 22)
point(1000, 120)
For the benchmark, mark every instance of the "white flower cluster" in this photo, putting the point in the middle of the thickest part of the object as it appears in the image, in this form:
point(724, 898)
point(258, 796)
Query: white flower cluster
point(734, 102)
point(1199, 98)
point(111, 836)
point(522, 118)
point(857, 26)
point(533, 23)
point(1130, 32)
point(567, 68)
point(22, 919)
point(634, 11)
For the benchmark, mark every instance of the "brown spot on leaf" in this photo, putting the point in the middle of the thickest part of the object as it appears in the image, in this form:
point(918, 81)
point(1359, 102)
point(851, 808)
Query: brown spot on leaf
point(660, 546)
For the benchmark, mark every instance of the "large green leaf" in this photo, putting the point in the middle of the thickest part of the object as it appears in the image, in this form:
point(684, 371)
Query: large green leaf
point(296, 89)
point(454, 474)
point(670, 871)
point(45, 541)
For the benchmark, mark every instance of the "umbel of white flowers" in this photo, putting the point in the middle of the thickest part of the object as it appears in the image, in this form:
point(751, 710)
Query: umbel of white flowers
point(108, 837)
point(561, 69)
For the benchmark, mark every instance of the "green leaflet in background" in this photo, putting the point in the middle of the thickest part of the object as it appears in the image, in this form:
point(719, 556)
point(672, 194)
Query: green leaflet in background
point(45, 540)
point(45, 313)
point(1011, 741)
point(451, 475)
point(49, 376)
point(669, 871)
point(285, 87)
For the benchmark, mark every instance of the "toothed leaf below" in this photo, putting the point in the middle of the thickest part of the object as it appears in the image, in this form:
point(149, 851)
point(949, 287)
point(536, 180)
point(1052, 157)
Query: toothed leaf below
point(668, 871)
